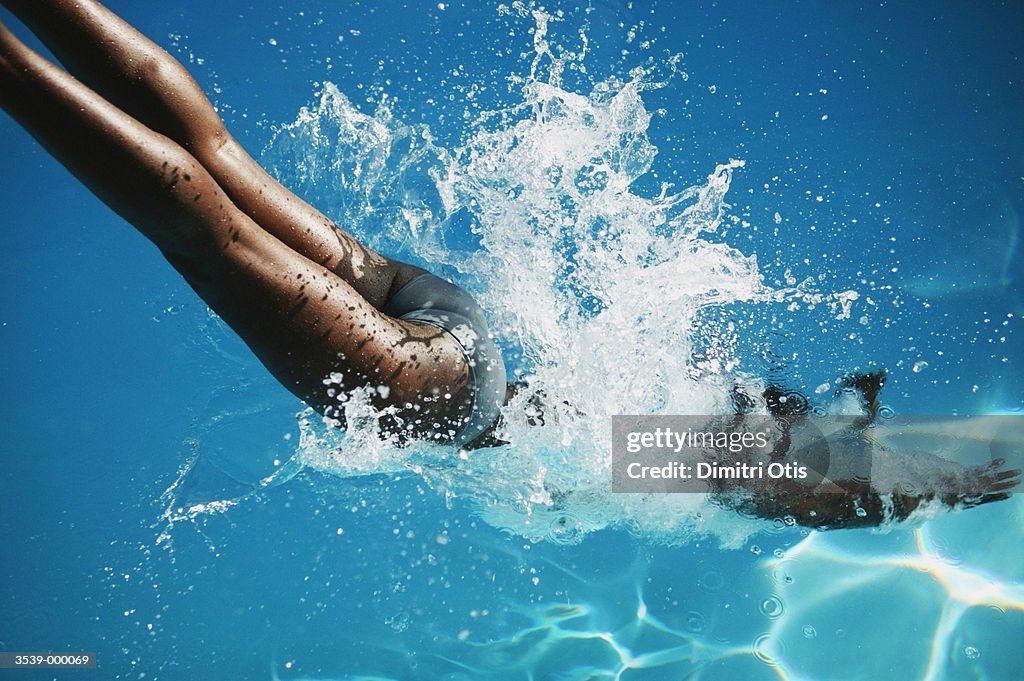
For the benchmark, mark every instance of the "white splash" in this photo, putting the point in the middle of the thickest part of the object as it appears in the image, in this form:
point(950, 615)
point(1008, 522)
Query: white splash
point(595, 288)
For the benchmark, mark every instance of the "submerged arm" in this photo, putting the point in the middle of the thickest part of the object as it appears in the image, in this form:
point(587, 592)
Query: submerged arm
point(859, 503)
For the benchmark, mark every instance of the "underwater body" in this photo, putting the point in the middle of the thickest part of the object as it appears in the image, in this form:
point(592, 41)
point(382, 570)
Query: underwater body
point(655, 203)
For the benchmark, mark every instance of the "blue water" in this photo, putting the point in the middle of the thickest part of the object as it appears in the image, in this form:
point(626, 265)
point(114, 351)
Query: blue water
point(883, 154)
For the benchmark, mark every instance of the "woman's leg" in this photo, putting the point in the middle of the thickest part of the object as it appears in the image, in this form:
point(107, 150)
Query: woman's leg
point(302, 320)
point(143, 80)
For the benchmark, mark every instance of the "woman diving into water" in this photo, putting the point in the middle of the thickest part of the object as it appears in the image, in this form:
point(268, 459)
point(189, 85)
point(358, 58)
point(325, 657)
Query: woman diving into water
point(325, 314)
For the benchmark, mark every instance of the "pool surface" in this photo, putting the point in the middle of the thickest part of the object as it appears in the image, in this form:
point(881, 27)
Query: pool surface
point(656, 202)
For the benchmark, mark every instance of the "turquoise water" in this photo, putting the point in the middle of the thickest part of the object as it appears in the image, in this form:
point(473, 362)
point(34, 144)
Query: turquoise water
point(654, 202)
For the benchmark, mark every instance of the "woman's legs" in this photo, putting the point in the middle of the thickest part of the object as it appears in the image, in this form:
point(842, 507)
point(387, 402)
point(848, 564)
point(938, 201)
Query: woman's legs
point(301, 319)
point(144, 81)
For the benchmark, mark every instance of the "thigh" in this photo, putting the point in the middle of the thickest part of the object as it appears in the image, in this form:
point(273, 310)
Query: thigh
point(143, 80)
point(301, 319)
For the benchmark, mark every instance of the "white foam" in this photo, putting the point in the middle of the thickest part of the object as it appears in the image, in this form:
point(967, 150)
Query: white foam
point(597, 284)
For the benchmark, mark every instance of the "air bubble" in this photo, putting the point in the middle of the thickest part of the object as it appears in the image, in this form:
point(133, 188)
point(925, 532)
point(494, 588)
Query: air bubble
point(972, 653)
point(398, 622)
point(566, 529)
point(711, 582)
point(767, 650)
point(772, 607)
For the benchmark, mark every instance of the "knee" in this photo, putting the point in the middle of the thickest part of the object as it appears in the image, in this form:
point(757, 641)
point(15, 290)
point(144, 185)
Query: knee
point(179, 107)
point(156, 70)
point(180, 181)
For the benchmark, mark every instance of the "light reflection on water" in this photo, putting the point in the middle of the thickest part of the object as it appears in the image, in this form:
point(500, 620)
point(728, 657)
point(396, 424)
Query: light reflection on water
point(571, 262)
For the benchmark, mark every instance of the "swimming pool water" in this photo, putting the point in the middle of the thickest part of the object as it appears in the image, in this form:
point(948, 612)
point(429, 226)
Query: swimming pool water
point(882, 155)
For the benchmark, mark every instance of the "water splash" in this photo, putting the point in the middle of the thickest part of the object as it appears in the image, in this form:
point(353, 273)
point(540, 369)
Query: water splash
point(596, 288)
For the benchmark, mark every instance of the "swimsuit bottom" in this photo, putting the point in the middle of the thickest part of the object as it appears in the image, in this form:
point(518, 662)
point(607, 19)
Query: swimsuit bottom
point(431, 300)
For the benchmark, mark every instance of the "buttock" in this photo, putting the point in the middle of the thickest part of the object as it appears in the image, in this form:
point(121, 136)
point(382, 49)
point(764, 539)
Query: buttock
point(428, 299)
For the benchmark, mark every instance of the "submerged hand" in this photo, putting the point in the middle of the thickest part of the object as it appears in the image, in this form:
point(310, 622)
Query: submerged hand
point(853, 503)
point(983, 484)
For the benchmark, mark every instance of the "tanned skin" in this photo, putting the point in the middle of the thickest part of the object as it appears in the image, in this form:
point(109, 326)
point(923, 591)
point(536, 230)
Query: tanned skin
point(130, 122)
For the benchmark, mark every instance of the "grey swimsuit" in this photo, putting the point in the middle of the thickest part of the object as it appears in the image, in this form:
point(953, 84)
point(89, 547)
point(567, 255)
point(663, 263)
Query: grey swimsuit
point(431, 300)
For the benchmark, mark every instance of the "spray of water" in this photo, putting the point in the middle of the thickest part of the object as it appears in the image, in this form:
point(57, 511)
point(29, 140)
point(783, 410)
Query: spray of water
point(595, 290)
